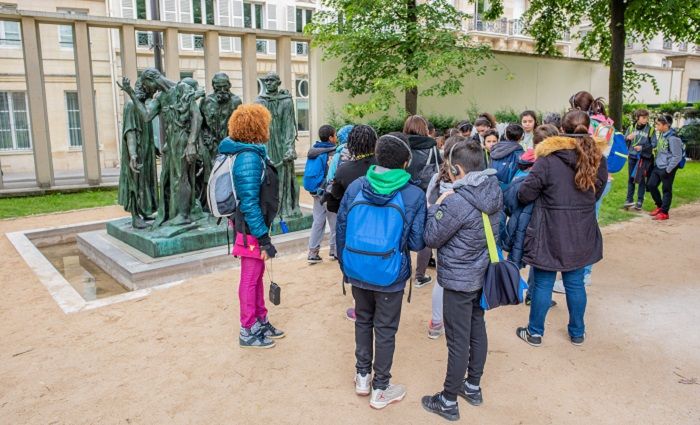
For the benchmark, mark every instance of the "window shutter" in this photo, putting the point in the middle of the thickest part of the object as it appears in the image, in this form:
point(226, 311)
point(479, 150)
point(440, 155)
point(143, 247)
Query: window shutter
point(291, 19)
point(128, 9)
point(237, 13)
point(271, 47)
point(271, 16)
point(223, 8)
point(186, 41)
point(170, 10)
point(186, 11)
point(237, 44)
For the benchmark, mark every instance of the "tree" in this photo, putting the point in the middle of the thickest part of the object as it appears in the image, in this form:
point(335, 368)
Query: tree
point(612, 22)
point(387, 47)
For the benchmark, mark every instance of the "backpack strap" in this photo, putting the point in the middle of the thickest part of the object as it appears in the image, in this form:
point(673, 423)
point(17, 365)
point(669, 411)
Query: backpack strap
point(490, 239)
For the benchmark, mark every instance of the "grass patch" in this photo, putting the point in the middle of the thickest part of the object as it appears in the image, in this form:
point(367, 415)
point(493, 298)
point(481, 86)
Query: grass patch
point(56, 202)
point(686, 189)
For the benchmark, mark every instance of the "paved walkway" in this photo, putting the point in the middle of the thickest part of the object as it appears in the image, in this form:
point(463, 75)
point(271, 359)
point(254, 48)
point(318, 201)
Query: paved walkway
point(173, 357)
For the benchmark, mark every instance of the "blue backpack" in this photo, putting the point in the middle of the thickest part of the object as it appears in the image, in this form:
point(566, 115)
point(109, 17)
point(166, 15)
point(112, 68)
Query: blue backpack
point(315, 173)
point(373, 250)
point(506, 168)
point(616, 153)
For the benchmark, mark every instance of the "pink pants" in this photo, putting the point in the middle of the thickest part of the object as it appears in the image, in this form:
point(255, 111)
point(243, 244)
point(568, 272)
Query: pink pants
point(251, 293)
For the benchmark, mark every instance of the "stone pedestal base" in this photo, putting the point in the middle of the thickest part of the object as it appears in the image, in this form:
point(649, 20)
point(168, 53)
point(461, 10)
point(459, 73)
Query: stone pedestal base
point(174, 240)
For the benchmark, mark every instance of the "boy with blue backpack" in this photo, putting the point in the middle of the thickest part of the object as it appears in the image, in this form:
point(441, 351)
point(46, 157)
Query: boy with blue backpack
point(381, 218)
point(315, 173)
point(455, 226)
point(506, 153)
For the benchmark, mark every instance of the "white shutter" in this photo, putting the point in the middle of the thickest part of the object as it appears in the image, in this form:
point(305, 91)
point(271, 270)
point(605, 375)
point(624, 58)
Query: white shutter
point(186, 11)
point(271, 16)
point(128, 9)
point(271, 47)
point(224, 19)
point(169, 10)
point(187, 41)
point(291, 18)
point(237, 14)
point(237, 44)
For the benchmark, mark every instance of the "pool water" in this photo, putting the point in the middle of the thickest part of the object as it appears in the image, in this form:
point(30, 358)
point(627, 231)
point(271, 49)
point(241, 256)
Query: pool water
point(84, 276)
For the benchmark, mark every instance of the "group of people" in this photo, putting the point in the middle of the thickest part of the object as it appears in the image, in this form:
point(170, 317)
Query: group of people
point(536, 188)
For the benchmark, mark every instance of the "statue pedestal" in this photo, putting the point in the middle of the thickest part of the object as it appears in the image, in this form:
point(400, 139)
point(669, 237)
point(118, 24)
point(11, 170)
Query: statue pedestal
point(173, 240)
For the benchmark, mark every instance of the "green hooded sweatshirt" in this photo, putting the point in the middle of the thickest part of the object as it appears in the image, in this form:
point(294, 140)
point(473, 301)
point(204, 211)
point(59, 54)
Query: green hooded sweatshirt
point(385, 181)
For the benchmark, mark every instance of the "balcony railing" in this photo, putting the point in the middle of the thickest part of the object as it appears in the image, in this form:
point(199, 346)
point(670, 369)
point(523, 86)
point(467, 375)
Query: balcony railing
point(504, 26)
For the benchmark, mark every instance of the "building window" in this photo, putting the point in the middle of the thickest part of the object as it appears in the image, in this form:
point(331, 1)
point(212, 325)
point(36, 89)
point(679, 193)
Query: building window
point(668, 45)
point(9, 34)
point(301, 92)
point(65, 36)
point(300, 48)
point(75, 137)
point(261, 46)
point(683, 47)
point(186, 74)
point(253, 15)
point(303, 18)
point(693, 91)
point(14, 122)
point(144, 39)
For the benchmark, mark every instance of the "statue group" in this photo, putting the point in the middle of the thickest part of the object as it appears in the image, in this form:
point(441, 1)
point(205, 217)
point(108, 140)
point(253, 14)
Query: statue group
point(193, 129)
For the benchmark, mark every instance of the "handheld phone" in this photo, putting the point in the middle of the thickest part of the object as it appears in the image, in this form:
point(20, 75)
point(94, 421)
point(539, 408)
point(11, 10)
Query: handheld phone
point(275, 293)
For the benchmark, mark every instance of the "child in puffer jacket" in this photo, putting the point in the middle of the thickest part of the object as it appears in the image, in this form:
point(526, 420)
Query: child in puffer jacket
point(455, 226)
point(248, 130)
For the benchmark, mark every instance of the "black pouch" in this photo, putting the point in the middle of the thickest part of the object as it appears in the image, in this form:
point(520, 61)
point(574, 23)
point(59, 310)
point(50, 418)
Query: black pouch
point(275, 293)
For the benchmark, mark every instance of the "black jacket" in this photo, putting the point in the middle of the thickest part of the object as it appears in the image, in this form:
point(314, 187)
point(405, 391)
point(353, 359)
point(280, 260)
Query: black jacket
point(347, 173)
point(563, 234)
point(420, 150)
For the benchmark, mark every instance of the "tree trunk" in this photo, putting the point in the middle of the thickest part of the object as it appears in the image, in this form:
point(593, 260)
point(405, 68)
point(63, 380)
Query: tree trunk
point(617, 60)
point(411, 102)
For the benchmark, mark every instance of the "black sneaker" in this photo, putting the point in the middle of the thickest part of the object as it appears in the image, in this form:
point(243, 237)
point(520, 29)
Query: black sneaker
point(422, 281)
point(434, 404)
point(528, 300)
point(431, 263)
point(333, 257)
point(314, 259)
point(578, 340)
point(473, 397)
point(523, 334)
point(269, 331)
point(638, 206)
point(629, 204)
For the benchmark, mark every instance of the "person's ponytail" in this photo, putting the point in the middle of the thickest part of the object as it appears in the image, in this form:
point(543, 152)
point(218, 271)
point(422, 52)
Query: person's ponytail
point(588, 156)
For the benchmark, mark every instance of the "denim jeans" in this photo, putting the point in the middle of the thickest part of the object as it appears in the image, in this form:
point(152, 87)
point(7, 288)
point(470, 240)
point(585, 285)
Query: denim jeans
point(608, 186)
point(542, 299)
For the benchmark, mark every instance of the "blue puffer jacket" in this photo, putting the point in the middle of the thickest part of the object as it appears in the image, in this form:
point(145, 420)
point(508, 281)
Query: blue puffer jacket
point(513, 232)
point(247, 176)
point(411, 239)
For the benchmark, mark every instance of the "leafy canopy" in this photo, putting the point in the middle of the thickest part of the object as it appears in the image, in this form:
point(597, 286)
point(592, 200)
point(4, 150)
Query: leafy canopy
point(676, 20)
point(388, 47)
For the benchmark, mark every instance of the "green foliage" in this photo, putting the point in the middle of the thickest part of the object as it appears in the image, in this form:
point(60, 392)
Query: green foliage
point(672, 107)
point(387, 124)
point(632, 81)
point(508, 115)
point(547, 20)
point(388, 47)
point(337, 119)
point(629, 108)
point(32, 205)
point(472, 111)
point(442, 122)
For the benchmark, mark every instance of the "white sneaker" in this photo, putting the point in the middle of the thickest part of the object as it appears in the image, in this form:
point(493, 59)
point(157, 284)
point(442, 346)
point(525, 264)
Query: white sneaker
point(559, 287)
point(363, 384)
point(392, 394)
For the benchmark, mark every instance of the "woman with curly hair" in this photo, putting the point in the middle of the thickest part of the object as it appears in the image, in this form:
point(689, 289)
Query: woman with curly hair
point(248, 130)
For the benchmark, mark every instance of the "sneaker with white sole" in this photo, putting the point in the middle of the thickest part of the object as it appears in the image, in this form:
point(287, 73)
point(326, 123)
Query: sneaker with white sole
point(363, 384)
point(382, 398)
point(422, 281)
point(253, 337)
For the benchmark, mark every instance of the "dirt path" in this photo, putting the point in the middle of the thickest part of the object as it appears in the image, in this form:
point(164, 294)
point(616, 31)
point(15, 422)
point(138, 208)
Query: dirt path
point(174, 357)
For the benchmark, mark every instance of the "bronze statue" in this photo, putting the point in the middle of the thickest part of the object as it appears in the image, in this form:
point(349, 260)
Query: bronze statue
point(176, 102)
point(281, 147)
point(216, 109)
point(137, 178)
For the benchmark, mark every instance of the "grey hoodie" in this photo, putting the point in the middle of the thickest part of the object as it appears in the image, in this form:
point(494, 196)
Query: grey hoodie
point(670, 151)
point(456, 229)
